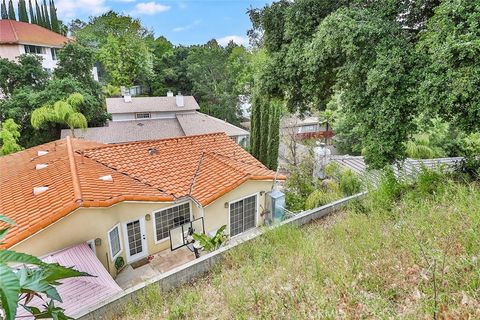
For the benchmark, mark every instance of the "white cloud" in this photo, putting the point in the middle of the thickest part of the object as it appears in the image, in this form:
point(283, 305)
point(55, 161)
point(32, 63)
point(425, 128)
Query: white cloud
point(187, 27)
point(237, 39)
point(124, 1)
point(149, 8)
point(69, 9)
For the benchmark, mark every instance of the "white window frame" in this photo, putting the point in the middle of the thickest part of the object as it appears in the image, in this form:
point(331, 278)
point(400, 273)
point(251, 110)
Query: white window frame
point(143, 113)
point(113, 257)
point(159, 210)
point(257, 195)
point(91, 244)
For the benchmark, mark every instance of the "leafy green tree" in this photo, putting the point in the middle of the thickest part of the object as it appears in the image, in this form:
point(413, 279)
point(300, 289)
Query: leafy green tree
point(22, 11)
point(212, 83)
point(9, 136)
point(27, 72)
point(11, 11)
point(123, 47)
point(3, 10)
point(77, 61)
point(33, 19)
point(63, 112)
point(170, 68)
point(19, 285)
point(126, 60)
point(450, 77)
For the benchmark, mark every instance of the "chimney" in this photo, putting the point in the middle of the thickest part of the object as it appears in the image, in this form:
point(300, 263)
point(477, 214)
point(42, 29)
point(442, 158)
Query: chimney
point(127, 98)
point(179, 100)
point(169, 93)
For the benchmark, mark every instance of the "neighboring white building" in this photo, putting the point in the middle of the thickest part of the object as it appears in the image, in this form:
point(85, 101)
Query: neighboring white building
point(150, 118)
point(17, 38)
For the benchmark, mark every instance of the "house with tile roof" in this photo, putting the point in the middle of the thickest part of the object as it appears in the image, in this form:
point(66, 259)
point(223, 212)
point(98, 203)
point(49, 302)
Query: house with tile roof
point(149, 118)
point(130, 200)
point(18, 37)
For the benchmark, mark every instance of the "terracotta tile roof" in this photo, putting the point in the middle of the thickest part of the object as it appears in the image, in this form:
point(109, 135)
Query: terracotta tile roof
point(16, 32)
point(66, 191)
point(203, 167)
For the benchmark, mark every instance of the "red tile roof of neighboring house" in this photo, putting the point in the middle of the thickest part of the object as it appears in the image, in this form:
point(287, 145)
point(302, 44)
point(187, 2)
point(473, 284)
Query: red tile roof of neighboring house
point(203, 167)
point(16, 32)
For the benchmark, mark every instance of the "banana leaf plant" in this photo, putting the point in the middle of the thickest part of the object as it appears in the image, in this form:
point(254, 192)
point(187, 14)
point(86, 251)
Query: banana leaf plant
point(23, 277)
point(211, 243)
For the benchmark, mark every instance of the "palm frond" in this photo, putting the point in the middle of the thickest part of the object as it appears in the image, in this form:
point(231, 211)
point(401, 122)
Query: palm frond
point(77, 120)
point(40, 116)
point(63, 110)
point(75, 100)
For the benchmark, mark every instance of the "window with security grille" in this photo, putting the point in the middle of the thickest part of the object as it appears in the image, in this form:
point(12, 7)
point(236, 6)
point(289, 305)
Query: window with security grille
point(242, 215)
point(114, 240)
point(170, 218)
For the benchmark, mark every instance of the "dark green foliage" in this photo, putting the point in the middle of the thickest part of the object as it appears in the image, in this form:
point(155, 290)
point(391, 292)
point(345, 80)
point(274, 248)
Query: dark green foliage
point(3, 10)
point(350, 183)
point(449, 48)
point(38, 15)
point(11, 11)
point(27, 87)
point(383, 63)
point(53, 17)
point(46, 17)
point(264, 138)
point(33, 19)
point(22, 11)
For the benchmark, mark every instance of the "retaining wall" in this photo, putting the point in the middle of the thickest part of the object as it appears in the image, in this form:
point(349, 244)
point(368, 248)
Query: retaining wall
point(196, 268)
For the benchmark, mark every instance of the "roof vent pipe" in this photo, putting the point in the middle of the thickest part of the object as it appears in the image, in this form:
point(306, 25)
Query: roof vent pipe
point(169, 93)
point(39, 190)
point(152, 151)
point(179, 100)
point(106, 178)
point(41, 166)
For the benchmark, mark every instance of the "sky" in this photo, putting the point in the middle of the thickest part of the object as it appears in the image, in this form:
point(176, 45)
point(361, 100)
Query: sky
point(180, 21)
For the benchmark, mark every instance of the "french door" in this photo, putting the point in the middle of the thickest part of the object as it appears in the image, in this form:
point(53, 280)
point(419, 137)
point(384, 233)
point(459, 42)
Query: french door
point(135, 239)
point(243, 215)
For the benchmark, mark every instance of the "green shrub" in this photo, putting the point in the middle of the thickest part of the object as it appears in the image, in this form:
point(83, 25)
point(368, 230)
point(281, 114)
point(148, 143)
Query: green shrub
point(320, 198)
point(350, 183)
point(333, 170)
point(429, 182)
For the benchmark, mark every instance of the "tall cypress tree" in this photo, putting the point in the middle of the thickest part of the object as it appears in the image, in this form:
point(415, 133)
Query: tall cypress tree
point(11, 11)
point(39, 17)
point(4, 10)
point(54, 18)
point(22, 11)
point(46, 17)
point(32, 15)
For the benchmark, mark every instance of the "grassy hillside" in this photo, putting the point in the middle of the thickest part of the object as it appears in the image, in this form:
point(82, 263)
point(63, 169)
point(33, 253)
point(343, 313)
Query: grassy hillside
point(405, 252)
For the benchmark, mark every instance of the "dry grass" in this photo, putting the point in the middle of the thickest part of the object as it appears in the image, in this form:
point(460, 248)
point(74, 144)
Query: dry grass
point(408, 259)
